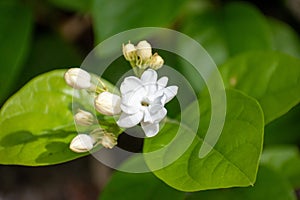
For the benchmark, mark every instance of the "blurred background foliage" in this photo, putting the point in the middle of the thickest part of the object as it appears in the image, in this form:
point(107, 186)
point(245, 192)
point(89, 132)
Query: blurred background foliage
point(39, 36)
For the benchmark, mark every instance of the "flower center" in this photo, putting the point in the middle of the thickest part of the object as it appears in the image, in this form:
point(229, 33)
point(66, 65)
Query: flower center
point(144, 103)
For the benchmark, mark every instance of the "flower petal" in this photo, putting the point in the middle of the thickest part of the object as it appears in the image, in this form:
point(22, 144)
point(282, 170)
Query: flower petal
point(157, 113)
point(150, 129)
point(129, 84)
point(162, 82)
point(149, 76)
point(129, 109)
point(147, 116)
point(170, 93)
point(128, 121)
point(134, 99)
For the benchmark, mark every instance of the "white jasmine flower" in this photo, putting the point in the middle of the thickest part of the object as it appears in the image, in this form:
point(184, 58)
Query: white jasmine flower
point(82, 143)
point(156, 62)
point(84, 118)
point(78, 78)
point(108, 104)
point(143, 101)
point(129, 52)
point(144, 50)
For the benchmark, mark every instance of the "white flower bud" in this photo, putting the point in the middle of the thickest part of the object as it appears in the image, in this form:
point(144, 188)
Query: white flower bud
point(144, 50)
point(156, 62)
point(84, 118)
point(82, 143)
point(108, 104)
point(129, 52)
point(78, 78)
point(109, 140)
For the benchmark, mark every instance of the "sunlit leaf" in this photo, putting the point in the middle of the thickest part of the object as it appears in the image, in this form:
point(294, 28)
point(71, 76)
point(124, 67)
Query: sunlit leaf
point(225, 166)
point(37, 125)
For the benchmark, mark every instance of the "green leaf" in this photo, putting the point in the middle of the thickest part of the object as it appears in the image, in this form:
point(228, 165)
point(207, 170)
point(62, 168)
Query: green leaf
point(15, 34)
point(48, 52)
point(236, 28)
point(284, 130)
point(138, 186)
point(269, 185)
point(285, 39)
point(225, 166)
point(73, 5)
point(272, 78)
point(285, 160)
point(36, 123)
point(113, 16)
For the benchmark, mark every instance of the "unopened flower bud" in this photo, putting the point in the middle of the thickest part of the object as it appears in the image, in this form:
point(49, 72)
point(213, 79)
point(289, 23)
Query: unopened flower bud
point(108, 104)
point(129, 52)
point(144, 50)
point(84, 118)
point(82, 143)
point(78, 78)
point(109, 140)
point(156, 62)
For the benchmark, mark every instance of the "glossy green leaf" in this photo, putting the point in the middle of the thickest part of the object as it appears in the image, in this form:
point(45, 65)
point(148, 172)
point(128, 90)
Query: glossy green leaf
point(15, 35)
point(272, 78)
point(236, 28)
point(285, 39)
point(73, 5)
point(113, 16)
point(269, 185)
point(36, 123)
point(225, 166)
point(285, 160)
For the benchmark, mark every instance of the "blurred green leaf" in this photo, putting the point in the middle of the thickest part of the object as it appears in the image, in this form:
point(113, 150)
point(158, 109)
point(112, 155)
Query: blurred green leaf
point(113, 16)
point(15, 34)
point(269, 185)
point(285, 39)
point(37, 125)
point(138, 186)
point(284, 130)
point(236, 28)
point(73, 5)
point(49, 52)
point(224, 166)
point(285, 160)
point(272, 78)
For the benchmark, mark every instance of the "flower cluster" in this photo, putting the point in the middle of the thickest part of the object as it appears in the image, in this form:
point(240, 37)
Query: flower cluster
point(141, 58)
point(142, 99)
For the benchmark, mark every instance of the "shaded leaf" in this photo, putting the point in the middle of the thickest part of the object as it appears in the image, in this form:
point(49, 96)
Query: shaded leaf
point(113, 16)
point(284, 130)
point(269, 185)
point(272, 78)
point(73, 5)
point(223, 34)
point(15, 34)
point(285, 160)
point(138, 186)
point(285, 39)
